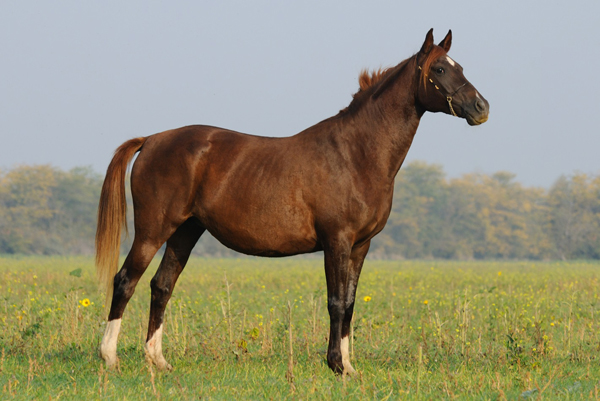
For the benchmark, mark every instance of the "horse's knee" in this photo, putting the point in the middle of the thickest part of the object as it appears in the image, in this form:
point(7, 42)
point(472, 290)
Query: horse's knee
point(336, 308)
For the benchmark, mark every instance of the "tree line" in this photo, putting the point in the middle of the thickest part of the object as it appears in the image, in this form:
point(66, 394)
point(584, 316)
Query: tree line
point(45, 210)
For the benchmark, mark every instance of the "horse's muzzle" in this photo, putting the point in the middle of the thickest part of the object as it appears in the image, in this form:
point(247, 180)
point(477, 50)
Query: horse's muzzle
point(478, 112)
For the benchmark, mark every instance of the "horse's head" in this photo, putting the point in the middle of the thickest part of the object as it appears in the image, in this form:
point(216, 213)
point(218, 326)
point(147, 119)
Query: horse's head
point(442, 85)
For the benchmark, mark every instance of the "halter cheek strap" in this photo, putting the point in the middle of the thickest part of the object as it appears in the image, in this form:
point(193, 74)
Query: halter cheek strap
point(448, 97)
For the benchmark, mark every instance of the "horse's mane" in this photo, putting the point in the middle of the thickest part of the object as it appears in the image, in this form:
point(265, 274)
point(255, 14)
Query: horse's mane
point(373, 83)
point(366, 79)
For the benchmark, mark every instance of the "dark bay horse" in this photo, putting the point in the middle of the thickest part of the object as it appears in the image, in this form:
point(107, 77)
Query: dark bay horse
point(327, 188)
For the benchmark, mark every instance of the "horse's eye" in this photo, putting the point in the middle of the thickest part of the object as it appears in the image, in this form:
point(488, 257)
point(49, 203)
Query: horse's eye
point(440, 71)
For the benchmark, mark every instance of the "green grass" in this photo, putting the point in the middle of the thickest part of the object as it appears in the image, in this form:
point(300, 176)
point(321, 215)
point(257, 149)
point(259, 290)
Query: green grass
point(430, 330)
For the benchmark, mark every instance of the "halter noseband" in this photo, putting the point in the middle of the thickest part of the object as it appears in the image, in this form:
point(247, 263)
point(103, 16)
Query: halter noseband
point(448, 97)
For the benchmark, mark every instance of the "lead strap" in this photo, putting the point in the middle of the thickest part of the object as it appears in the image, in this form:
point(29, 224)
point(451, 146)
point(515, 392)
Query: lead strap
point(449, 99)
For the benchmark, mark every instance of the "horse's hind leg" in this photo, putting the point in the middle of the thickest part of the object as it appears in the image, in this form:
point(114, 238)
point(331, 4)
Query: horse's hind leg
point(178, 250)
point(138, 259)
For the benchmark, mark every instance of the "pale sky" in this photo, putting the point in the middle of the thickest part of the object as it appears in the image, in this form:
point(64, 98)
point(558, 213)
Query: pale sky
point(78, 78)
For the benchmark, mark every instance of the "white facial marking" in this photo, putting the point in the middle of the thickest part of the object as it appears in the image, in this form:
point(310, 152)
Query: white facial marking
point(344, 343)
point(452, 63)
point(477, 94)
point(154, 350)
point(108, 346)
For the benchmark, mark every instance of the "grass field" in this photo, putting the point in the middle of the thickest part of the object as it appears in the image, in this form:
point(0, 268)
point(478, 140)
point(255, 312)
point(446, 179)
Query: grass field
point(422, 330)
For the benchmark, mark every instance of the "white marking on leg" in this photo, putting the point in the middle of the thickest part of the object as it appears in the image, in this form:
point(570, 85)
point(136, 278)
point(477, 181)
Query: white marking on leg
point(154, 350)
point(108, 346)
point(344, 343)
point(452, 62)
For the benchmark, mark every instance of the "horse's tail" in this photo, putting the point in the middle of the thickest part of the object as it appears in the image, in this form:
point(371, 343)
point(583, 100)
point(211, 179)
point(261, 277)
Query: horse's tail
point(112, 211)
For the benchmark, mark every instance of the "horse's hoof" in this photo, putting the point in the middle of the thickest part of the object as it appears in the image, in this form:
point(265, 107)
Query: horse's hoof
point(110, 359)
point(350, 372)
point(164, 367)
point(112, 363)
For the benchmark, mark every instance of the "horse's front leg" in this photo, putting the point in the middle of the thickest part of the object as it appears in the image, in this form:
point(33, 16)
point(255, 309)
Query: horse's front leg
point(357, 257)
point(342, 270)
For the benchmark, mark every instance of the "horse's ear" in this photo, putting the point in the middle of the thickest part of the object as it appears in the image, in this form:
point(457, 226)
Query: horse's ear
point(447, 42)
point(428, 44)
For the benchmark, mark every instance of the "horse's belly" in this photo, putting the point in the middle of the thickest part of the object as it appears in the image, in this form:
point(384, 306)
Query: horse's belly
point(262, 242)
point(266, 234)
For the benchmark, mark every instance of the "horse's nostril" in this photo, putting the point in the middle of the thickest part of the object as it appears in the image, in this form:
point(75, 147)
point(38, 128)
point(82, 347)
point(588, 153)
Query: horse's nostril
point(480, 105)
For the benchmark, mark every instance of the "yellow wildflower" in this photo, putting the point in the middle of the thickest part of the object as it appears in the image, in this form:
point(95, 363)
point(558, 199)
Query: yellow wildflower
point(85, 302)
point(367, 298)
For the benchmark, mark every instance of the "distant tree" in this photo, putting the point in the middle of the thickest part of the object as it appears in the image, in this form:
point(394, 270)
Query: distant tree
point(575, 216)
point(475, 216)
point(26, 202)
point(47, 211)
point(512, 219)
point(412, 230)
point(75, 201)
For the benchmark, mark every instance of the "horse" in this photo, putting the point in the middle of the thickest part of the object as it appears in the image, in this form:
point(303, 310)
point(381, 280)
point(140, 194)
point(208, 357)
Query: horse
point(328, 188)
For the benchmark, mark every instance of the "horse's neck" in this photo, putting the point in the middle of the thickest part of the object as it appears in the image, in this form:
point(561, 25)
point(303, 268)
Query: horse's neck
point(382, 131)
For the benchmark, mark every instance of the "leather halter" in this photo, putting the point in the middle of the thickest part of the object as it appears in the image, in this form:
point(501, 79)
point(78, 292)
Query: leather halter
point(448, 96)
